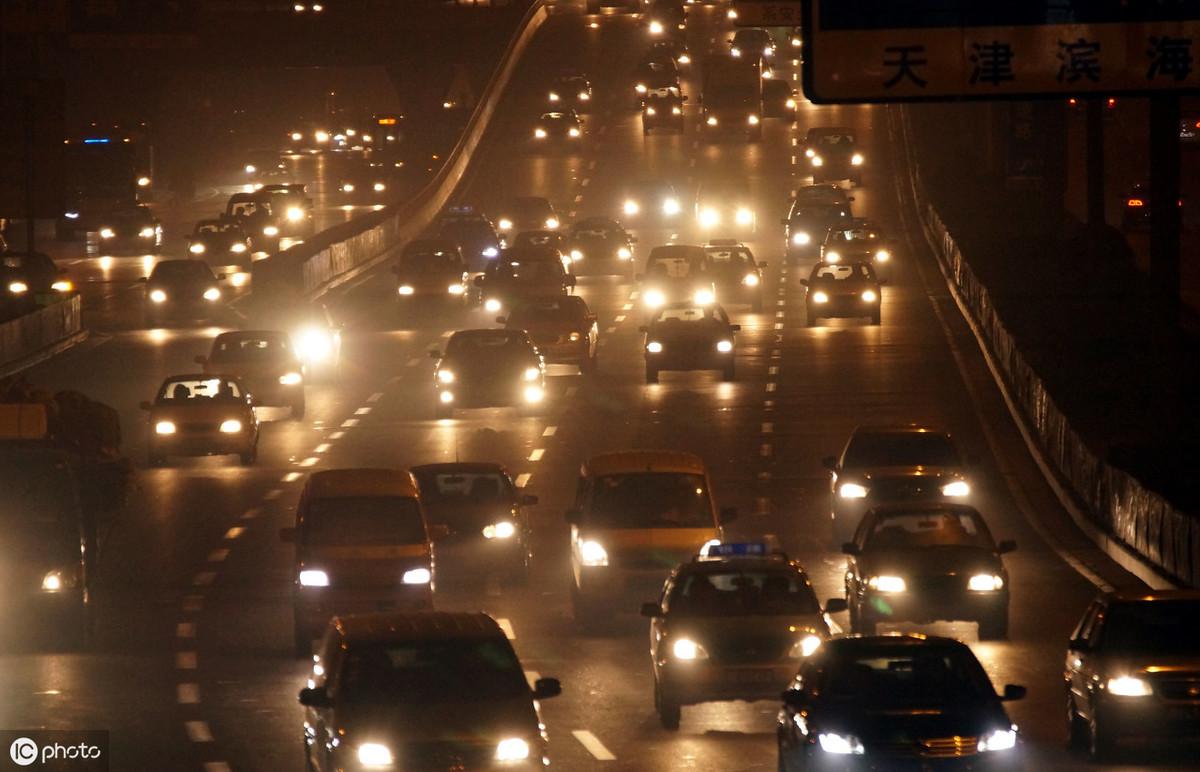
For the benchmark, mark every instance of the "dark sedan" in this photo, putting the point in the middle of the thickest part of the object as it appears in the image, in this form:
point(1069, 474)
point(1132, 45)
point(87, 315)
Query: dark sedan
point(132, 229)
point(219, 238)
point(489, 368)
point(599, 245)
point(686, 336)
point(182, 289)
point(844, 290)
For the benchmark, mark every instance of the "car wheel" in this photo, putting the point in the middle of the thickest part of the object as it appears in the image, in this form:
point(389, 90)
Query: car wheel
point(298, 408)
point(651, 375)
point(669, 711)
point(248, 457)
point(301, 640)
point(1102, 745)
point(727, 374)
point(994, 628)
point(876, 318)
point(1077, 729)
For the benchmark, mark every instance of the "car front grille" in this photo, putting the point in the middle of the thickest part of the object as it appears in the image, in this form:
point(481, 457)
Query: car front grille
point(935, 748)
point(904, 488)
point(197, 428)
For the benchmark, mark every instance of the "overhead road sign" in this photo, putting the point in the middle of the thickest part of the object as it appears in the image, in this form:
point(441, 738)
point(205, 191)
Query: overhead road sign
point(889, 51)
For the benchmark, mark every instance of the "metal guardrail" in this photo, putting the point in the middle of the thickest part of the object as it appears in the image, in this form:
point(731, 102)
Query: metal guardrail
point(43, 331)
point(1142, 523)
point(342, 252)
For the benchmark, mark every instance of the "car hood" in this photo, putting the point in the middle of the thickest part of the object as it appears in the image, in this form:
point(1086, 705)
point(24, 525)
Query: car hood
point(473, 722)
point(1164, 666)
point(371, 565)
point(842, 287)
point(929, 561)
point(903, 472)
point(486, 367)
point(204, 411)
point(903, 725)
point(682, 333)
point(266, 368)
point(784, 629)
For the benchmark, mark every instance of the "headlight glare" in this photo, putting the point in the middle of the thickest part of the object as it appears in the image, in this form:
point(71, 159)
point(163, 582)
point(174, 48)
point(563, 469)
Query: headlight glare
point(630, 207)
point(107, 233)
point(820, 297)
point(491, 305)
point(856, 159)
point(654, 298)
point(445, 376)
point(417, 576)
point(887, 583)
point(852, 491)
point(62, 285)
point(374, 755)
point(231, 426)
point(1129, 686)
point(805, 646)
point(687, 649)
point(312, 577)
point(18, 287)
point(833, 256)
point(883, 256)
point(512, 749)
point(501, 530)
point(405, 289)
point(146, 233)
point(744, 216)
point(842, 745)
point(670, 206)
point(592, 553)
point(290, 379)
point(534, 394)
point(750, 280)
point(212, 293)
point(532, 373)
point(703, 297)
point(956, 489)
point(164, 427)
point(196, 248)
point(869, 296)
point(985, 583)
point(999, 740)
point(724, 346)
point(800, 238)
point(816, 160)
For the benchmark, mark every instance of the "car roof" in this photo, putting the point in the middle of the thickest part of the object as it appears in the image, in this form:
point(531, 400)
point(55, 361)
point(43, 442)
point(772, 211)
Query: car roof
point(339, 483)
point(897, 509)
point(853, 642)
point(913, 428)
point(630, 461)
point(417, 625)
point(251, 334)
point(460, 466)
point(819, 130)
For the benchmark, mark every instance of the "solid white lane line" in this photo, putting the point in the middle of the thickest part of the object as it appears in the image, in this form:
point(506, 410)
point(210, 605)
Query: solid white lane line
point(522, 479)
point(185, 660)
point(375, 397)
point(203, 579)
point(536, 454)
point(198, 731)
point(187, 694)
point(185, 630)
point(593, 745)
point(549, 431)
point(216, 556)
point(507, 627)
point(234, 532)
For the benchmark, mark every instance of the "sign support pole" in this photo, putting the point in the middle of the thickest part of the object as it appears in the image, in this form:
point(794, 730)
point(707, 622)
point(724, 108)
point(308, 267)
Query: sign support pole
point(1164, 200)
point(1095, 161)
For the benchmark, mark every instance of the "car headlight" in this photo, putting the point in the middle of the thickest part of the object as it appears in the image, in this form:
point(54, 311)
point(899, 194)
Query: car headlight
point(573, 132)
point(687, 649)
point(231, 426)
point(623, 253)
point(735, 51)
point(1129, 686)
point(164, 427)
point(146, 233)
point(804, 647)
point(999, 740)
point(820, 297)
point(640, 88)
point(816, 160)
point(290, 379)
point(575, 337)
point(676, 110)
point(313, 345)
point(654, 347)
point(62, 285)
point(445, 376)
point(18, 287)
point(211, 294)
point(576, 255)
point(417, 576)
point(270, 230)
point(501, 530)
point(532, 373)
point(491, 305)
point(800, 238)
point(321, 136)
point(790, 104)
point(869, 296)
point(809, 152)
point(592, 553)
point(882, 256)
point(656, 28)
point(724, 346)
point(378, 187)
point(446, 397)
point(630, 207)
point(651, 111)
point(236, 247)
point(709, 217)
point(584, 96)
point(504, 224)
point(540, 133)
point(553, 97)
point(534, 394)
point(671, 206)
point(374, 755)
point(750, 280)
point(856, 159)
point(456, 289)
point(833, 256)
point(887, 583)
point(55, 581)
point(852, 491)
point(551, 223)
point(840, 744)
point(711, 120)
point(158, 296)
point(654, 298)
point(249, 168)
point(985, 583)
point(405, 289)
point(71, 215)
point(512, 749)
point(703, 297)
point(490, 252)
point(347, 187)
point(956, 489)
point(752, 119)
point(107, 233)
point(196, 248)
point(744, 217)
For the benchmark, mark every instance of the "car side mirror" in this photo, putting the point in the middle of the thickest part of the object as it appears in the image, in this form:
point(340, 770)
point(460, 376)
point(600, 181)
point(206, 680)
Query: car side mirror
point(501, 319)
point(794, 698)
point(315, 698)
point(651, 610)
point(478, 281)
point(435, 354)
point(545, 688)
point(201, 360)
point(804, 282)
point(735, 328)
point(528, 500)
point(1013, 692)
point(850, 548)
point(836, 605)
point(727, 515)
point(437, 531)
point(1005, 546)
point(573, 516)
point(146, 405)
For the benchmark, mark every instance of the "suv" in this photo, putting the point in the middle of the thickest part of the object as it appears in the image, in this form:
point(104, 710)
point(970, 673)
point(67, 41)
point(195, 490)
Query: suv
point(438, 690)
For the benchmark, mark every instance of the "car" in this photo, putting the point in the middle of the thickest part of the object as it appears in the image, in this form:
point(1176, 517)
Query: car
point(1130, 671)
point(570, 92)
point(779, 99)
point(314, 334)
point(651, 202)
point(676, 273)
point(182, 289)
point(362, 545)
point(663, 108)
point(201, 414)
point(736, 274)
point(431, 269)
point(562, 327)
point(438, 690)
point(637, 514)
point(673, 48)
point(484, 512)
point(560, 127)
point(489, 368)
point(725, 204)
point(843, 290)
point(219, 238)
point(367, 184)
point(600, 245)
point(895, 702)
point(812, 213)
point(834, 153)
point(523, 272)
point(131, 228)
point(254, 213)
point(732, 623)
point(655, 74)
point(261, 165)
point(687, 336)
point(752, 43)
point(31, 280)
point(923, 563)
point(474, 233)
point(292, 205)
point(894, 464)
point(544, 240)
point(527, 213)
point(860, 240)
point(264, 363)
point(596, 6)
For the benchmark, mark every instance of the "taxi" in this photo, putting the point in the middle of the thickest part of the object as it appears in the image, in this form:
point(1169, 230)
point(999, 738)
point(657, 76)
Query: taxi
point(362, 545)
point(562, 327)
point(686, 336)
point(733, 623)
point(265, 362)
point(431, 269)
point(637, 515)
point(201, 415)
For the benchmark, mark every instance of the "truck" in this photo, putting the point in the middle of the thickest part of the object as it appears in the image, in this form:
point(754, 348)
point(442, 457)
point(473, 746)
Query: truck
point(103, 176)
point(731, 98)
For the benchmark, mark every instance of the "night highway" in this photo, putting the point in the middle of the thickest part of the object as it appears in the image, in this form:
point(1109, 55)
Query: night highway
point(192, 664)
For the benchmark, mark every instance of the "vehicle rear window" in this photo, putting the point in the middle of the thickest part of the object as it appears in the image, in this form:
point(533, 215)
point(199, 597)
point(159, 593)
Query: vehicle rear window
point(841, 272)
point(742, 592)
point(464, 671)
point(650, 500)
point(729, 257)
point(1153, 628)
point(462, 487)
point(364, 521)
point(910, 676)
point(929, 529)
point(834, 141)
point(496, 343)
point(901, 449)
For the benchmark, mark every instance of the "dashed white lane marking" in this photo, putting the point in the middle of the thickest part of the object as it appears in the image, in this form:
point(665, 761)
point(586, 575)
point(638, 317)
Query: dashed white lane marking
point(692, 162)
point(532, 676)
point(779, 325)
point(185, 660)
point(234, 532)
point(336, 435)
point(779, 314)
point(765, 449)
point(187, 694)
point(762, 506)
point(193, 602)
point(627, 307)
point(322, 448)
point(781, 302)
point(204, 578)
point(593, 745)
point(769, 404)
point(609, 330)
point(619, 318)
point(571, 215)
point(292, 477)
point(375, 397)
point(768, 427)
point(634, 295)
point(198, 731)
point(585, 182)
point(310, 461)
point(771, 387)
point(363, 411)
point(272, 494)
point(522, 479)
point(185, 630)
point(536, 454)
point(773, 370)
point(251, 513)
point(217, 556)
point(592, 164)
point(578, 198)
point(507, 627)
point(216, 766)
point(550, 431)
point(413, 362)
point(350, 423)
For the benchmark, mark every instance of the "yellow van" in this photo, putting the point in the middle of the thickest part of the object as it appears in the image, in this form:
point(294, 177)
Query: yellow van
point(637, 515)
point(362, 545)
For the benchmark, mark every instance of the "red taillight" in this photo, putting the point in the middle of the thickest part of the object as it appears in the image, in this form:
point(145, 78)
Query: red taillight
point(1112, 103)
point(1135, 202)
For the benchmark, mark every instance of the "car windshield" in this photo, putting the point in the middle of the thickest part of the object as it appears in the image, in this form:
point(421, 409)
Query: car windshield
point(493, 344)
point(670, 266)
point(730, 258)
point(842, 272)
point(364, 521)
point(249, 349)
point(1157, 628)
point(852, 235)
point(568, 308)
point(819, 211)
point(900, 449)
point(834, 141)
point(537, 239)
point(650, 500)
point(527, 270)
point(742, 592)
point(917, 530)
point(594, 229)
point(436, 670)
point(215, 227)
point(686, 314)
point(463, 487)
point(185, 391)
point(182, 270)
point(905, 676)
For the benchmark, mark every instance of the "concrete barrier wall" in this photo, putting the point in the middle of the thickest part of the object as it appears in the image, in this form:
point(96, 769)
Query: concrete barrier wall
point(337, 254)
point(1143, 524)
point(38, 331)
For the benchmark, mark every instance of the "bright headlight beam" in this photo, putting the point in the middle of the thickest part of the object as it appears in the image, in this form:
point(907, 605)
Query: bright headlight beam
point(985, 583)
point(956, 489)
point(417, 576)
point(687, 649)
point(312, 577)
